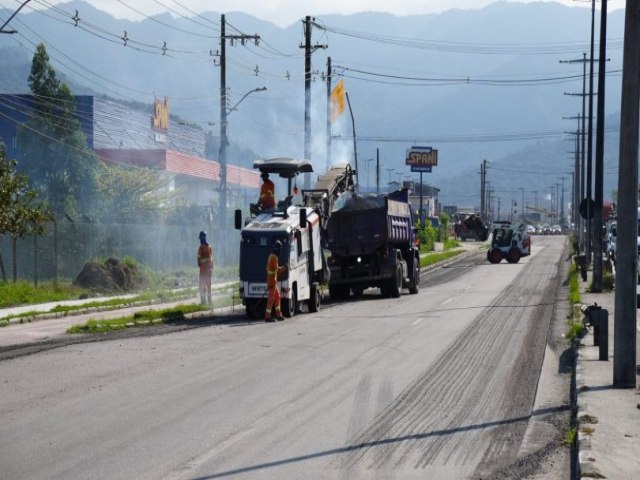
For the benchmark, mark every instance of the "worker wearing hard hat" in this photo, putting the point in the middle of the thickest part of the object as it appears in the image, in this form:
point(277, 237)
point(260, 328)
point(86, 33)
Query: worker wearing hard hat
point(273, 270)
point(267, 199)
point(205, 264)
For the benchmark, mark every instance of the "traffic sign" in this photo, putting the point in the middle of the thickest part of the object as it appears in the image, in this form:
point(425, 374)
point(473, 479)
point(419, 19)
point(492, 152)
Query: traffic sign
point(583, 207)
point(421, 168)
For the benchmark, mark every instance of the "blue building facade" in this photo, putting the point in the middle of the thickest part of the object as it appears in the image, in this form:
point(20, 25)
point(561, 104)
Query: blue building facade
point(16, 110)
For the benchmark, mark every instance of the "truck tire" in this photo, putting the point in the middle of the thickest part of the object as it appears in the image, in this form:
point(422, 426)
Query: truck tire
point(357, 291)
point(289, 305)
point(314, 301)
point(338, 292)
point(414, 282)
point(494, 255)
point(251, 312)
point(395, 284)
point(513, 256)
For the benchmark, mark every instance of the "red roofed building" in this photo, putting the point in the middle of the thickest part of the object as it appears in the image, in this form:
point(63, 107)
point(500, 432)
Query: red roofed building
point(197, 178)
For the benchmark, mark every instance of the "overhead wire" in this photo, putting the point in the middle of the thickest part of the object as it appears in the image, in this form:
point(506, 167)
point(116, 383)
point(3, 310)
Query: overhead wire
point(443, 81)
point(100, 32)
point(510, 48)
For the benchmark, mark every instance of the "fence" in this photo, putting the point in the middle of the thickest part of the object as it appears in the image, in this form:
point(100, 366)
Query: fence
point(65, 247)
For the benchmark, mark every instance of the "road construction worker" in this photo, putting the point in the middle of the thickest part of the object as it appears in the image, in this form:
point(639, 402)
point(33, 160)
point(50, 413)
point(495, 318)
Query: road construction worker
point(273, 270)
point(267, 198)
point(205, 264)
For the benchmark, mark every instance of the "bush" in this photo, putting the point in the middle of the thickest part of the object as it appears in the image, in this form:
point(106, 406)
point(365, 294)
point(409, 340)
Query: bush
point(427, 237)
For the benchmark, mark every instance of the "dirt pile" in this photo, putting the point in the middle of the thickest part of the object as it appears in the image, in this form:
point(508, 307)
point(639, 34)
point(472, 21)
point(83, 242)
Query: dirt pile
point(111, 276)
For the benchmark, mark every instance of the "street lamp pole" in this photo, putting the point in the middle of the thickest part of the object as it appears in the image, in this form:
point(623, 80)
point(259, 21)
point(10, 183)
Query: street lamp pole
point(2, 30)
point(390, 170)
point(224, 142)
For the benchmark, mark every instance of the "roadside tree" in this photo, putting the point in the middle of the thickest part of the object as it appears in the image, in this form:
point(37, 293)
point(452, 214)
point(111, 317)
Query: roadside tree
point(21, 214)
point(55, 155)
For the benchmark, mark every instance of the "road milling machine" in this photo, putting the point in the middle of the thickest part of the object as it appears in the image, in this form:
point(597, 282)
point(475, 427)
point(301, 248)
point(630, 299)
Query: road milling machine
point(299, 222)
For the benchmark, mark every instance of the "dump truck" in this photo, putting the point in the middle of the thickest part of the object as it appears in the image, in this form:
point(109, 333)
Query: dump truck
point(298, 222)
point(469, 225)
point(372, 244)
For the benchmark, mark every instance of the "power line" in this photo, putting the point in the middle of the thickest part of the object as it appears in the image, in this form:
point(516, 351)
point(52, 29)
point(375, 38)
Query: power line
point(460, 47)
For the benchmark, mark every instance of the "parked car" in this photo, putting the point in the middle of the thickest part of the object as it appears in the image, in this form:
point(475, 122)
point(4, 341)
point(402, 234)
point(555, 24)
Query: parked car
point(610, 240)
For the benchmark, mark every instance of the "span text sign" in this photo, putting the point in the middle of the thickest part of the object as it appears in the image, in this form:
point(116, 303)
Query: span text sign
point(422, 157)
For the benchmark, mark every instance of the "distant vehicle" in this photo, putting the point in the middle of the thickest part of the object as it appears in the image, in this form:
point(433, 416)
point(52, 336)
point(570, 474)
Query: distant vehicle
point(610, 238)
point(556, 230)
point(509, 241)
point(469, 225)
point(531, 230)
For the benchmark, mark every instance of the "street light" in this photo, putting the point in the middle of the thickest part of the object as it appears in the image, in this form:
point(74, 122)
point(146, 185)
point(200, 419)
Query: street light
point(368, 184)
point(390, 170)
point(222, 157)
point(259, 89)
point(2, 30)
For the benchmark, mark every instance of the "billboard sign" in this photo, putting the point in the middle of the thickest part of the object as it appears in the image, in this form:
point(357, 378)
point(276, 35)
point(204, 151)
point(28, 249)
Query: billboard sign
point(160, 118)
point(421, 157)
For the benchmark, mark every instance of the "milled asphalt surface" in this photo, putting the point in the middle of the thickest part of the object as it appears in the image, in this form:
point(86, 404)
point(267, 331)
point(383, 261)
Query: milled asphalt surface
point(609, 418)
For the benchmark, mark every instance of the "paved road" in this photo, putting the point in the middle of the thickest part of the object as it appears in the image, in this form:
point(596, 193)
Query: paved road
point(436, 385)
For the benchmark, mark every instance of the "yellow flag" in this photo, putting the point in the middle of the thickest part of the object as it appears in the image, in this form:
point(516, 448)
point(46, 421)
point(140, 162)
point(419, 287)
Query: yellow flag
point(337, 101)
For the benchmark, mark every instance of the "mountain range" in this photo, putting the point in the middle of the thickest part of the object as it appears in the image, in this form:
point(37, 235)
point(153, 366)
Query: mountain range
point(482, 84)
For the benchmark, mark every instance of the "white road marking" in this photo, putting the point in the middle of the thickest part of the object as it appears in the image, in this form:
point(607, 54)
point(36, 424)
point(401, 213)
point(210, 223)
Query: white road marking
point(448, 300)
point(417, 321)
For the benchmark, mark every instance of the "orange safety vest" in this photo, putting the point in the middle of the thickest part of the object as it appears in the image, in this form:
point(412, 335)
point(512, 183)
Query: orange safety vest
point(267, 195)
point(205, 258)
point(272, 270)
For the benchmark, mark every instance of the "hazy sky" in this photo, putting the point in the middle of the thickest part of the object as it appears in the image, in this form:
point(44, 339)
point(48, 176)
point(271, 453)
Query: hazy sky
point(286, 12)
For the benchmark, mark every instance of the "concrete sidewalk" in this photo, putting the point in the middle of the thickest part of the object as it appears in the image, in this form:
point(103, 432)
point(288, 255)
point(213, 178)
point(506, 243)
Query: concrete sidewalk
point(609, 418)
point(46, 327)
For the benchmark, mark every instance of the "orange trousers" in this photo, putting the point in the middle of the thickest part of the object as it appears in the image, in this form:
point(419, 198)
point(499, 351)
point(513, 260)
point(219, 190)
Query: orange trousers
point(273, 299)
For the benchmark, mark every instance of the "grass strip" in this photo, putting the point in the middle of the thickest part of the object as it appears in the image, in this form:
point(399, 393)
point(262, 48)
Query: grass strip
point(435, 257)
point(115, 303)
point(147, 317)
point(575, 327)
point(139, 319)
point(24, 293)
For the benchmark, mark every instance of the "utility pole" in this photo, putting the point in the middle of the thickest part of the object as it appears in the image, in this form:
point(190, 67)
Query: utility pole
point(328, 113)
point(355, 150)
point(377, 170)
point(580, 167)
point(522, 213)
point(562, 203)
point(308, 50)
point(625, 334)
point(590, 141)
point(599, 181)
point(222, 157)
point(483, 167)
point(224, 142)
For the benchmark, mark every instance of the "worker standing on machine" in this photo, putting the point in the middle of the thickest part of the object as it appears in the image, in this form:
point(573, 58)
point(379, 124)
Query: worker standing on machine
point(267, 199)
